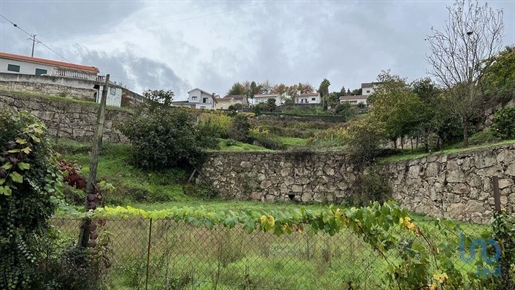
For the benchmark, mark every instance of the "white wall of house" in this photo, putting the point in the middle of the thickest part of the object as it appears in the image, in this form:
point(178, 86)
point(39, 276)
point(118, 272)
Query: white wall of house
point(307, 99)
point(353, 101)
point(201, 99)
point(260, 99)
point(22, 67)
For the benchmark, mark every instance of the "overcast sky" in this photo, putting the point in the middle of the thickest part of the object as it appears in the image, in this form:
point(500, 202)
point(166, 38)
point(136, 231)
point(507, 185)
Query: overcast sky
point(180, 45)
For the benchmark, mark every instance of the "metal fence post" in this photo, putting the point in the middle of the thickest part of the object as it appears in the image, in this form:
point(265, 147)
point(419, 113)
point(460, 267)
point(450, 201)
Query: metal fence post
point(148, 251)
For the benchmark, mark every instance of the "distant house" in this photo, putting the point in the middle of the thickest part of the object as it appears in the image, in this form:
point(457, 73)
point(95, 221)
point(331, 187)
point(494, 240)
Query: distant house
point(354, 100)
point(309, 98)
point(260, 99)
point(368, 88)
point(198, 99)
point(229, 100)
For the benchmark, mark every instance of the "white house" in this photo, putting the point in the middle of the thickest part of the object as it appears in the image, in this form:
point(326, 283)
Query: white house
point(368, 88)
point(308, 98)
point(260, 99)
point(198, 99)
point(82, 79)
point(354, 100)
point(20, 64)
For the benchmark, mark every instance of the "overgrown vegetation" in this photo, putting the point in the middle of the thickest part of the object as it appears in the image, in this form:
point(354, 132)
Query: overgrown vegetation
point(166, 138)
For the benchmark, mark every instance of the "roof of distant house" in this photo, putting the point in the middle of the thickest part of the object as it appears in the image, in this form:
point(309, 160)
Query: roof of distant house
point(266, 96)
point(211, 94)
point(91, 69)
point(357, 97)
point(307, 95)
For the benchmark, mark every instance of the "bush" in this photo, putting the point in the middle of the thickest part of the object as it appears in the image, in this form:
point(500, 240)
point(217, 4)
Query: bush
point(504, 123)
point(268, 142)
point(240, 127)
point(363, 139)
point(30, 189)
point(167, 138)
point(217, 125)
point(369, 187)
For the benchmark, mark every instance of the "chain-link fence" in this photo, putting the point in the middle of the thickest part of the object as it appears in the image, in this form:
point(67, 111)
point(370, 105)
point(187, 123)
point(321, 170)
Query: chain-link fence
point(164, 254)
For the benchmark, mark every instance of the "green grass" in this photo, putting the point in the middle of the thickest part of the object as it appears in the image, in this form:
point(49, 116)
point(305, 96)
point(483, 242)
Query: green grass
point(233, 145)
point(292, 141)
point(454, 148)
point(131, 184)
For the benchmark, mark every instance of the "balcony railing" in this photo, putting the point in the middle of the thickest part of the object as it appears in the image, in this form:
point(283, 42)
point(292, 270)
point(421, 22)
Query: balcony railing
point(77, 75)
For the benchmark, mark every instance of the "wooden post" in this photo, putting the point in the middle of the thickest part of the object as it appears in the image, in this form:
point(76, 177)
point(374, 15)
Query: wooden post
point(90, 187)
point(97, 140)
point(497, 194)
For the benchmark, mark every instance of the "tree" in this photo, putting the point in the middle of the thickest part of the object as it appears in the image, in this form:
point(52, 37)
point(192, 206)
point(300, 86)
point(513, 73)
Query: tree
point(500, 76)
point(166, 138)
point(396, 106)
point(305, 88)
point(158, 97)
point(265, 87)
point(236, 89)
point(323, 89)
point(462, 52)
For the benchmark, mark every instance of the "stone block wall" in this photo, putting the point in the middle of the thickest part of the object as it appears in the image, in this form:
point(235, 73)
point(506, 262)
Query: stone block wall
point(457, 186)
point(67, 118)
point(268, 176)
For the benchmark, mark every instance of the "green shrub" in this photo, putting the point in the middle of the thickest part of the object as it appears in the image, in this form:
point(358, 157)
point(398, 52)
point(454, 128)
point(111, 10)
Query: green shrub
point(369, 187)
point(363, 139)
point(268, 141)
point(30, 189)
point(240, 127)
point(166, 138)
point(504, 123)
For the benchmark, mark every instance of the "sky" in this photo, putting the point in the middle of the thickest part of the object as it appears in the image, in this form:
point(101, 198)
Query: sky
point(181, 45)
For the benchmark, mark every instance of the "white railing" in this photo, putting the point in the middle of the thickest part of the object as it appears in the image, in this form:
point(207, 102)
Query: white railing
point(77, 75)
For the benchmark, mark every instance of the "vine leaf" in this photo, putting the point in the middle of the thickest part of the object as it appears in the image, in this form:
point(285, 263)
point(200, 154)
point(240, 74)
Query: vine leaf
point(5, 190)
point(23, 166)
point(26, 150)
point(16, 177)
point(21, 141)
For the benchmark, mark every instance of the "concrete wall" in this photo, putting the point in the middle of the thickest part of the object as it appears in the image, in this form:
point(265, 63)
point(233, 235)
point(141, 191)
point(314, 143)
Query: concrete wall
point(67, 118)
point(456, 185)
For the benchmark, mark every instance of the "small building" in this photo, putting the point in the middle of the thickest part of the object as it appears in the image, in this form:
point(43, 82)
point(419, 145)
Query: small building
point(355, 100)
point(308, 98)
point(229, 100)
point(198, 99)
point(261, 99)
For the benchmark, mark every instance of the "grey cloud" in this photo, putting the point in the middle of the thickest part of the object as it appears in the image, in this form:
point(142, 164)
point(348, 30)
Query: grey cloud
point(137, 73)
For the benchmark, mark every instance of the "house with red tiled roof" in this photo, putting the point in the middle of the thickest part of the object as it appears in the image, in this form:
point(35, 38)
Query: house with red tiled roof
point(20, 64)
point(56, 77)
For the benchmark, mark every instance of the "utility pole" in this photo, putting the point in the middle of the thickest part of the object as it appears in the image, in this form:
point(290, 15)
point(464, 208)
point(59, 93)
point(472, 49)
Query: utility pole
point(33, 43)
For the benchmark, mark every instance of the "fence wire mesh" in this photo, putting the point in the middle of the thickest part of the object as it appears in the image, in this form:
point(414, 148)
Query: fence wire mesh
point(164, 254)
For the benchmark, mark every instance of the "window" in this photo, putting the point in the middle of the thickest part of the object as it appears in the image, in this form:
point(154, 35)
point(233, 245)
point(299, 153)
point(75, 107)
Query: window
point(194, 98)
point(40, 71)
point(368, 91)
point(112, 91)
point(313, 99)
point(204, 100)
point(13, 67)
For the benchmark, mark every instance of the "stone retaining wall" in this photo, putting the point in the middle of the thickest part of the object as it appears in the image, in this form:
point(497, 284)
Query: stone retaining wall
point(67, 118)
point(457, 186)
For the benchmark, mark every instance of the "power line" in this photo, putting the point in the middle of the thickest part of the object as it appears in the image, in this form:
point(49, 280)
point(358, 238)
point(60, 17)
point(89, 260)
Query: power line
point(33, 38)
